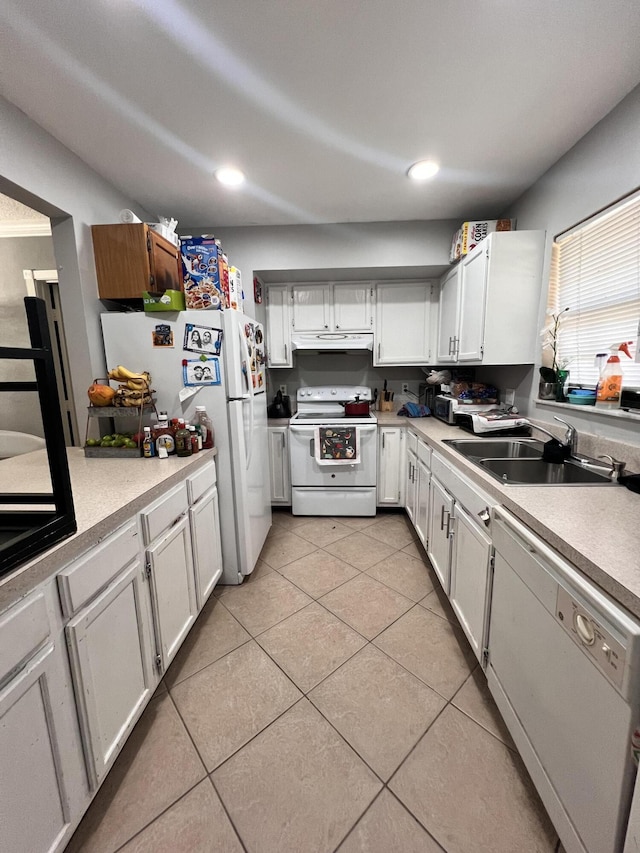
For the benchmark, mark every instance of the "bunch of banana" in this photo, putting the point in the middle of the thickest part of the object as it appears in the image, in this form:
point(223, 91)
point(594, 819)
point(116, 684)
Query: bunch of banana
point(134, 389)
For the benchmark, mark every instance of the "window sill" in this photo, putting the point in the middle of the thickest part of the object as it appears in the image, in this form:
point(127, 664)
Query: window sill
point(618, 414)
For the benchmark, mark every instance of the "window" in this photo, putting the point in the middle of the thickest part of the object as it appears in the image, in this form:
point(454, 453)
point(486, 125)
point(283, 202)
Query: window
point(595, 273)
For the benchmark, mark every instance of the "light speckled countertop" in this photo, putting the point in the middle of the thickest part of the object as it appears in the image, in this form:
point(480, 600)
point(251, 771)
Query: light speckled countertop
point(596, 528)
point(106, 493)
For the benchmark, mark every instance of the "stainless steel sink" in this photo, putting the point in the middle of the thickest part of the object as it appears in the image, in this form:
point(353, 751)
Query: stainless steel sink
point(497, 448)
point(518, 461)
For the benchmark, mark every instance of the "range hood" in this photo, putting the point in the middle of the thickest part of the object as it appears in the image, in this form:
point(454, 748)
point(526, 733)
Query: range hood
point(332, 341)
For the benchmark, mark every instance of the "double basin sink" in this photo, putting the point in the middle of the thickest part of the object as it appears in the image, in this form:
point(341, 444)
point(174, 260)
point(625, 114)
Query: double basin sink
point(518, 461)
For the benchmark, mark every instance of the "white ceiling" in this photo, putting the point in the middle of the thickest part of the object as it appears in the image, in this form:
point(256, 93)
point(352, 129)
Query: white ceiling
point(323, 104)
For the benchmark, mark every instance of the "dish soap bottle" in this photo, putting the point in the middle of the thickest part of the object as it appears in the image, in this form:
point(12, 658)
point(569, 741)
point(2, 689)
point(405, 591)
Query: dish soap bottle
point(610, 381)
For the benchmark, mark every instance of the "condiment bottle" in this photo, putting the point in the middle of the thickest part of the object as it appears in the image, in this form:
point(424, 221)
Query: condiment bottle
point(183, 440)
point(206, 424)
point(165, 442)
point(195, 444)
point(610, 382)
point(148, 445)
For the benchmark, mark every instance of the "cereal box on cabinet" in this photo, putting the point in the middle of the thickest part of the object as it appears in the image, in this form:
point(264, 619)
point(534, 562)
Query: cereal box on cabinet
point(201, 271)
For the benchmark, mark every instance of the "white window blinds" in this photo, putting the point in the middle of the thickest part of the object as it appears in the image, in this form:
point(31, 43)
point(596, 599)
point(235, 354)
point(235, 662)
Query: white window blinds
point(595, 273)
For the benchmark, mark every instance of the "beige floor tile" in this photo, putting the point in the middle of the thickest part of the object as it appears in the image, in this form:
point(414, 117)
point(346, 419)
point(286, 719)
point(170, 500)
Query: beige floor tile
point(195, 824)
point(415, 549)
point(318, 573)
point(283, 546)
point(323, 531)
point(394, 530)
point(378, 707)
point(224, 705)
point(157, 765)
point(387, 827)
point(471, 792)
point(297, 787)
point(366, 604)
point(283, 518)
point(310, 645)
point(477, 702)
point(264, 603)
point(360, 550)
point(437, 602)
point(356, 522)
point(430, 648)
point(216, 633)
point(405, 574)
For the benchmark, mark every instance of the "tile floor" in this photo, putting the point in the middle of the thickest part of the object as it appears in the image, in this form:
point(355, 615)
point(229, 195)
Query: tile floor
point(330, 703)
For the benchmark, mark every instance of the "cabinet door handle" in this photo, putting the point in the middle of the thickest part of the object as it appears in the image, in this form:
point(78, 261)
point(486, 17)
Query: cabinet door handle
point(450, 344)
point(451, 526)
point(283, 440)
point(442, 517)
point(286, 353)
point(378, 351)
point(383, 435)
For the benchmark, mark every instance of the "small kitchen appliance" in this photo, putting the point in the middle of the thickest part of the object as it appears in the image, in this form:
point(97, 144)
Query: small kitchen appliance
point(333, 452)
point(445, 407)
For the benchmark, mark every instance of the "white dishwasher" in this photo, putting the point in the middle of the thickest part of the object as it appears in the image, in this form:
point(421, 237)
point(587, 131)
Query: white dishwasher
point(563, 669)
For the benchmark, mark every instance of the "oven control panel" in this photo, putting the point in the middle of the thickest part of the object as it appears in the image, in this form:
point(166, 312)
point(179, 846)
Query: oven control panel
point(333, 393)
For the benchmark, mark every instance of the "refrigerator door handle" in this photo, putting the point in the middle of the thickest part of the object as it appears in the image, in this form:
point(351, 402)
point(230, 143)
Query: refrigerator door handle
point(312, 448)
point(244, 347)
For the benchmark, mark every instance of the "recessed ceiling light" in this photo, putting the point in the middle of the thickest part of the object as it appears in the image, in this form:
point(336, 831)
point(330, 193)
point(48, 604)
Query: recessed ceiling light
point(229, 176)
point(423, 170)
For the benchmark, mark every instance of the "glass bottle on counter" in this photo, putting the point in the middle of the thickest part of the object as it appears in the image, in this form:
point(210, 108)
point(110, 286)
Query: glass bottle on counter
point(183, 439)
point(195, 444)
point(208, 437)
point(148, 444)
point(163, 436)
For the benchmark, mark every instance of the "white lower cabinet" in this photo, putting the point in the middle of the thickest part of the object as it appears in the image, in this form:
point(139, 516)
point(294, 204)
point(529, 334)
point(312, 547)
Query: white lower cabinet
point(460, 548)
point(110, 651)
point(204, 522)
point(411, 473)
point(439, 547)
point(43, 786)
point(169, 567)
point(421, 515)
point(470, 577)
point(279, 465)
point(391, 458)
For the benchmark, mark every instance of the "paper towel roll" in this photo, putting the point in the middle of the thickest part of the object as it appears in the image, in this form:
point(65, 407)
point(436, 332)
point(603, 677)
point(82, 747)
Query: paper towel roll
point(128, 216)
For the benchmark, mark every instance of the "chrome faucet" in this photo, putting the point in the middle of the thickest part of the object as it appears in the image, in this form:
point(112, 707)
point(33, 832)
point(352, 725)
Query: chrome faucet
point(570, 439)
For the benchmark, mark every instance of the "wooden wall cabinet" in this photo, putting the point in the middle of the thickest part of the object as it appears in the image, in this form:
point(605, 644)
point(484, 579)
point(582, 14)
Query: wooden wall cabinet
point(132, 258)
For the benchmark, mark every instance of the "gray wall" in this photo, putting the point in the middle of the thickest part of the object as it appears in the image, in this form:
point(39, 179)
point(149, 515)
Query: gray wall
point(40, 172)
point(19, 410)
point(603, 166)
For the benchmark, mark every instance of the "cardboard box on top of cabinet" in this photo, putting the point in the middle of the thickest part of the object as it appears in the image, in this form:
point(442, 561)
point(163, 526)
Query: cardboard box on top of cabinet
point(201, 259)
point(235, 289)
point(470, 234)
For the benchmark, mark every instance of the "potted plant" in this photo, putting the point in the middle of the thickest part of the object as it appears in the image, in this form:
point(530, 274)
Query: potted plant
point(554, 378)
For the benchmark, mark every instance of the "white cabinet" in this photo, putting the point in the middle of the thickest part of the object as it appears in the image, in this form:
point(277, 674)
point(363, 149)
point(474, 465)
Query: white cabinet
point(391, 465)
point(204, 522)
point(460, 548)
point(470, 572)
point(110, 650)
point(311, 307)
point(332, 306)
point(173, 594)
point(278, 343)
point(488, 304)
point(279, 465)
point(43, 786)
point(411, 471)
point(439, 545)
point(402, 333)
point(352, 308)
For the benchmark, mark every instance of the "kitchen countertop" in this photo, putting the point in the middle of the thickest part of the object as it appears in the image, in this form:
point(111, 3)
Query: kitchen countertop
point(106, 493)
point(595, 528)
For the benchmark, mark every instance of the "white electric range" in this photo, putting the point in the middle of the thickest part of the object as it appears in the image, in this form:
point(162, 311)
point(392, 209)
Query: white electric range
point(333, 457)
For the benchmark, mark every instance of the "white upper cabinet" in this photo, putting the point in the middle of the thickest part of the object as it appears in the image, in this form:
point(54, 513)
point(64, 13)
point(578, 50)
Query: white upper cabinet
point(278, 342)
point(402, 327)
point(352, 308)
point(311, 307)
point(331, 307)
point(489, 303)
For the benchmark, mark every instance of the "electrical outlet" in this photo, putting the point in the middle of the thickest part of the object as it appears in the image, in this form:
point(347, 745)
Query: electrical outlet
point(283, 389)
point(509, 396)
point(405, 387)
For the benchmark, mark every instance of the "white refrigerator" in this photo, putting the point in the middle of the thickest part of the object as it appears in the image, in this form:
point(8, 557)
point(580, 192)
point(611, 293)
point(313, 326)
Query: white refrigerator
point(228, 347)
